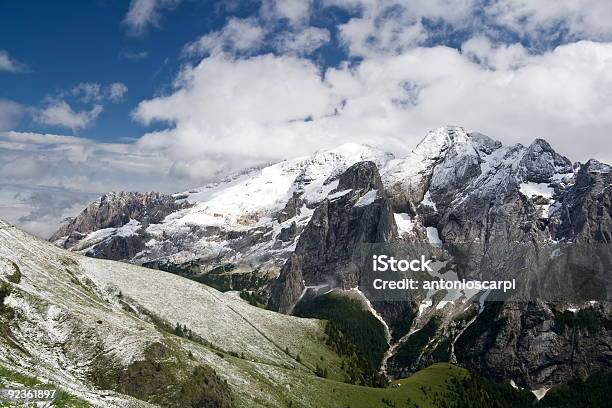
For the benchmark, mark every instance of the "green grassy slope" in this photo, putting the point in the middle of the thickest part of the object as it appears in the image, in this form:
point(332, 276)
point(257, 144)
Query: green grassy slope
point(353, 332)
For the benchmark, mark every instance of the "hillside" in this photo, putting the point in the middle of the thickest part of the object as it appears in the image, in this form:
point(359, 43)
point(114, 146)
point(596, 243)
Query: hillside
point(95, 329)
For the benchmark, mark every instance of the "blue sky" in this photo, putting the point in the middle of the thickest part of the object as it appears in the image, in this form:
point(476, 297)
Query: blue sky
point(64, 44)
point(169, 94)
point(67, 43)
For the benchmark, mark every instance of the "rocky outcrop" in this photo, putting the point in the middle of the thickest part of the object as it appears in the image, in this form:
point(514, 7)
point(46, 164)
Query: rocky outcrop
point(537, 345)
point(540, 162)
point(110, 213)
point(585, 211)
point(288, 288)
point(521, 212)
point(356, 212)
point(114, 210)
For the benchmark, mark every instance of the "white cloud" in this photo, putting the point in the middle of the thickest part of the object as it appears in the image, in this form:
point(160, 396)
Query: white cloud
point(81, 164)
point(544, 18)
point(88, 92)
point(495, 56)
point(302, 42)
point(144, 13)
point(248, 36)
point(10, 112)
point(90, 96)
point(237, 36)
point(40, 209)
point(45, 178)
point(391, 26)
point(134, 55)
point(233, 113)
point(297, 12)
point(58, 112)
point(116, 91)
point(228, 113)
point(8, 64)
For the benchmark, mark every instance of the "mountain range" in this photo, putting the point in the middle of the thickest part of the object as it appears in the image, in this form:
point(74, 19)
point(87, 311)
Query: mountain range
point(294, 237)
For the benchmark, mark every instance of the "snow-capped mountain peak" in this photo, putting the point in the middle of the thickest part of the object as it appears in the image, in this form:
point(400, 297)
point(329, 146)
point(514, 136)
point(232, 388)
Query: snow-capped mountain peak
point(257, 217)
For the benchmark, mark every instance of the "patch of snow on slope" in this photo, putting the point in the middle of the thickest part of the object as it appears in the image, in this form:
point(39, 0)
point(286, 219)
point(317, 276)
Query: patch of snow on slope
point(100, 235)
point(422, 158)
point(531, 189)
point(128, 229)
point(404, 223)
point(540, 393)
point(424, 305)
point(338, 194)
point(427, 201)
point(482, 299)
point(314, 193)
point(367, 199)
point(433, 236)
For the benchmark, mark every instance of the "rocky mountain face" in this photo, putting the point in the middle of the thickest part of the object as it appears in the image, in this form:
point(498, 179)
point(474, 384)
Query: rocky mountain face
point(537, 345)
point(584, 211)
point(357, 211)
point(118, 222)
point(246, 225)
point(491, 211)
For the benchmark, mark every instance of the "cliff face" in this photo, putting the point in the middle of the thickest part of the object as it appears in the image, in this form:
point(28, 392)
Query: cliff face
point(357, 211)
point(113, 227)
point(585, 210)
point(536, 345)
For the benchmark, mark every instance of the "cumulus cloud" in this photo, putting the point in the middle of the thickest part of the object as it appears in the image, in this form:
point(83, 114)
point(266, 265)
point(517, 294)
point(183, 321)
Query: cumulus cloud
point(219, 123)
point(384, 26)
point(87, 92)
point(8, 64)
point(392, 26)
point(551, 18)
point(57, 112)
point(144, 13)
point(237, 36)
point(233, 126)
point(495, 56)
point(303, 41)
point(280, 25)
point(296, 12)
